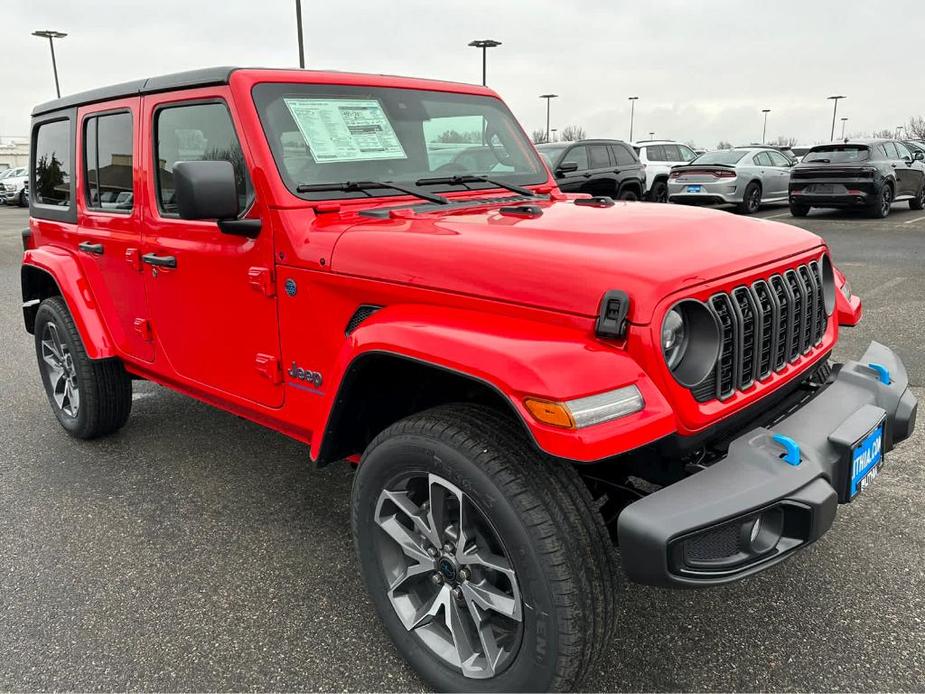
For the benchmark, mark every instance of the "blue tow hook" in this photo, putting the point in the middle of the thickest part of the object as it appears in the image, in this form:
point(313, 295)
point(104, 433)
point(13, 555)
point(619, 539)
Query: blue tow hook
point(791, 448)
point(882, 372)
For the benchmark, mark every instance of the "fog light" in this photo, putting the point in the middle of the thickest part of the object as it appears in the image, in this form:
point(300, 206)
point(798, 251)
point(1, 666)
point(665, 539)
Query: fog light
point(762, 534)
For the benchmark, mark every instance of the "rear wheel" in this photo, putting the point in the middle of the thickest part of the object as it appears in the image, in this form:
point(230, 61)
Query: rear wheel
point(884, 202)
point(89, 397)
point(628, 194)
point(489, 565)
point(751, 200)
point(798, 210)
point(659, 192)
point(918, 202)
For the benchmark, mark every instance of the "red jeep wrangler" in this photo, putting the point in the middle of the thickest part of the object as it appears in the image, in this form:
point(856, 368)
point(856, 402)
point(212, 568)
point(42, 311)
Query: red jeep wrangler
point(384, 269)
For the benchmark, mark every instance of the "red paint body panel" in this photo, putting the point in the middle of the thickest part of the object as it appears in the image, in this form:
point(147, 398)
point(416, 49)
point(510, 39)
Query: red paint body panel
point(509, 301)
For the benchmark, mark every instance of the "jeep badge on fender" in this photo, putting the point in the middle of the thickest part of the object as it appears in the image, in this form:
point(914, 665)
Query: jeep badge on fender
point(501, 359)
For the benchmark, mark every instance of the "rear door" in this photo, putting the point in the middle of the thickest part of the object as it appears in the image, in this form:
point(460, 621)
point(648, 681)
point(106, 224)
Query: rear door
point(781, 167)
point(110, 223)
point(211, 294)
point(628, 167)
point(907, 172)
point(604, 181)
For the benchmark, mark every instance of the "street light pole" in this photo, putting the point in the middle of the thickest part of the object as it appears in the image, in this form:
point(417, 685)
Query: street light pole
point(549, 98)
point(298, 24)
point(51, 36)
point(632, 100)
point(834, 113)
point(764, 130)
point(484, 44)
point(843, 121)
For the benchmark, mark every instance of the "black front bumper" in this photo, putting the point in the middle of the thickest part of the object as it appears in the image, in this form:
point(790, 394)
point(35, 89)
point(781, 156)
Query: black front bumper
point(702, 530)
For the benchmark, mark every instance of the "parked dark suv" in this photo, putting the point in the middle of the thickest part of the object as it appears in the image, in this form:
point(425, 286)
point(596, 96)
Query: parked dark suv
point(598, 167)
point(866, 174)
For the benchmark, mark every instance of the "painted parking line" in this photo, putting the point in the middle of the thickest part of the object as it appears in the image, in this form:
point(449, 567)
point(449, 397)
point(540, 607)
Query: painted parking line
point(885, 287)
point(912, 221)
point(778, 216)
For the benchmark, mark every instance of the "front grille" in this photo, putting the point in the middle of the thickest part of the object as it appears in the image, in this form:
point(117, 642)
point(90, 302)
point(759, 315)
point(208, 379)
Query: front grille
point(764, 326)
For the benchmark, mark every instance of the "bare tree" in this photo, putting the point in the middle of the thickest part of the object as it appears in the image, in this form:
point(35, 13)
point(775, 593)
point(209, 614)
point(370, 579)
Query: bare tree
point(783, 141)
point(885, 134)
point(538, 137)
point(724, 145)
point(916, 128)
point(572, 133)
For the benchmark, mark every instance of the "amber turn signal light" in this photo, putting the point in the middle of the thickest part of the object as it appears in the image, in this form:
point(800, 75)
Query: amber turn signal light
point(553, 413)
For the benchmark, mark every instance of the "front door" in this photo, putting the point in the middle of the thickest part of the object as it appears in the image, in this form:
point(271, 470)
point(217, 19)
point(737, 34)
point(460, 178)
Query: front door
point(575, 181)
point(213, 311)
point(109, 232)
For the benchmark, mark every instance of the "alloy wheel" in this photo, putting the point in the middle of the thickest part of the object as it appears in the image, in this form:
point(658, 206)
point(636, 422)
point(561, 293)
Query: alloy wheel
point(886, 201)
point(59, 367)
point(754, 199)
point(450, 580)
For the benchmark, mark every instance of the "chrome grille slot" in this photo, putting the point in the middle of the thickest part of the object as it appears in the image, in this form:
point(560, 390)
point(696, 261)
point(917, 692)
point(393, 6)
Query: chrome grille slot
point(763, 327)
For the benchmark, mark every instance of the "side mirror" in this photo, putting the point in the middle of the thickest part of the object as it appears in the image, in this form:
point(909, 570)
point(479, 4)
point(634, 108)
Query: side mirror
point(207, 190)
point(567, 167)
point(920, 156)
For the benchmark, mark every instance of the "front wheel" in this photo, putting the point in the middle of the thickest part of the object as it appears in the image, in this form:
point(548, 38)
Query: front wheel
point(90, 398)
point(489, 565)
point(751, 200)
point(659, 192)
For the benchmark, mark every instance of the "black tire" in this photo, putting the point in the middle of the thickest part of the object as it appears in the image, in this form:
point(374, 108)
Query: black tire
point(798, 210)
point(880, 209)
point(918, 202)
point(659, 192)
point(751, 200)
point(104, 389)
point(565, 561)
point(22, 198)
point(629, 195)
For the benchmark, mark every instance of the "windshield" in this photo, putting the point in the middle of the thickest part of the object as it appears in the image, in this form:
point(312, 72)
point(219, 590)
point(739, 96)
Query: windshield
point(730, 157)
point(841, 154)
point(325, 134)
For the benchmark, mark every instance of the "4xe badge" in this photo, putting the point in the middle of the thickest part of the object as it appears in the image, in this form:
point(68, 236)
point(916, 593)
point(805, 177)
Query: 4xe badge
point(313, 377)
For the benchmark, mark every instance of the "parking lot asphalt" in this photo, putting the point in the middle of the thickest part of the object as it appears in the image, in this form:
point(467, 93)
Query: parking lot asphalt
point(196, 551)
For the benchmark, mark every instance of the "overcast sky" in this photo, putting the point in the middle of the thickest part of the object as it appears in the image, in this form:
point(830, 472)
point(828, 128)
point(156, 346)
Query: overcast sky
point(703, 70)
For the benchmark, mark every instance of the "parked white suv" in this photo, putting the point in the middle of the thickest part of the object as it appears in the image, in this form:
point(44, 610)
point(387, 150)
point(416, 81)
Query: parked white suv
point(12, 186)
point(659, 156)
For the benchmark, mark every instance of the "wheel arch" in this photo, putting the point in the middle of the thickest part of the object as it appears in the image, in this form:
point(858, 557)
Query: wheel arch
point(52, 272)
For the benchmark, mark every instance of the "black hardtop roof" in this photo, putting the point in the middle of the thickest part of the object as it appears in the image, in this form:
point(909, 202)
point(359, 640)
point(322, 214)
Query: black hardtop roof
point(204, 77)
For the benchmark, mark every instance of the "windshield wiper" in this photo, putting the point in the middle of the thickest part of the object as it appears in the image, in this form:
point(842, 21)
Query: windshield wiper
point(472, 178)
point(365, 187)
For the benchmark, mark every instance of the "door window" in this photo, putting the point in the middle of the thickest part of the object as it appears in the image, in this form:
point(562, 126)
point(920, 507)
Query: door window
point(779, 159)
point(672, 153)
point(890, 150)
point(600, 159)
point(197, 132)
point(578, 155)
point(656, 153)
point(108, 162)
point(687, 154)
point(904, 152)
point(53, 164)
point(764, 159)
point(623, 155)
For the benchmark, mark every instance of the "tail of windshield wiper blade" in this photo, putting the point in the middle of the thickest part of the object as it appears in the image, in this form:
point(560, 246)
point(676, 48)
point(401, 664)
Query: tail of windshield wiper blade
point(365, 187)
point(472, 178)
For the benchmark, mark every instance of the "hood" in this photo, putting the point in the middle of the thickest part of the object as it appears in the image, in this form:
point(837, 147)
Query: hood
point(565, 259)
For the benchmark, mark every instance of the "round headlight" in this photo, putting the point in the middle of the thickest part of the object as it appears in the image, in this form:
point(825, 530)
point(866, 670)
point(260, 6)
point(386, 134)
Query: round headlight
point(690, 342)
point(674, 338)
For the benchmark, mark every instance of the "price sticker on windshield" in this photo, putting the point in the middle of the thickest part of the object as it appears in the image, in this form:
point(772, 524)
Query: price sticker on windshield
point(345, 130)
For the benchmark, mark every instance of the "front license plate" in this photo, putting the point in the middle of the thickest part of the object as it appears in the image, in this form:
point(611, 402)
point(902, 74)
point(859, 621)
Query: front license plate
point(866, 461)
point(695, 189)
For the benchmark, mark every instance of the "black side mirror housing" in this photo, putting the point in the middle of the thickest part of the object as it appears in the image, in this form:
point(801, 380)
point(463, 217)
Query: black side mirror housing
point(919, 156)
point(207, 190)
point(567, 167)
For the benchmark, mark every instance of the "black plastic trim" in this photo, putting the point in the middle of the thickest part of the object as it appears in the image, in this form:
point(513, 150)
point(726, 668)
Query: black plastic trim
point(610, 323)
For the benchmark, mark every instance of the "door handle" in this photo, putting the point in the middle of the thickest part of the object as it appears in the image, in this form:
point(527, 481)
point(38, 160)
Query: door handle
point(616, 171)
point(159, 260)
point(94, 248)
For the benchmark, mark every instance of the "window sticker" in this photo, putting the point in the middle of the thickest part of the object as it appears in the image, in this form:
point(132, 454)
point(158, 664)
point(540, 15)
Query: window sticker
point(344, 130)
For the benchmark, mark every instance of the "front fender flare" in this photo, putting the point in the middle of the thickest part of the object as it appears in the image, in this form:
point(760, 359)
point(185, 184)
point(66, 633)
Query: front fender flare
point(517, 358)
point(74, 288)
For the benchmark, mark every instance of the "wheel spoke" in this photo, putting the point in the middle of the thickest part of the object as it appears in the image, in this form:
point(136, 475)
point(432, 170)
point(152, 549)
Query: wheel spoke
point(457, 621)
point(438, 514)
point(490, 648)
point(59, 388)
point(488, 597)
point(409, 544)
point(411, 572)
point(414, 512)
point(51, 355)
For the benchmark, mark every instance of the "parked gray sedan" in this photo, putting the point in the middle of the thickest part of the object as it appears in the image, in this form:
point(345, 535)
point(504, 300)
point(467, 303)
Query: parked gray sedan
point(744, 176)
